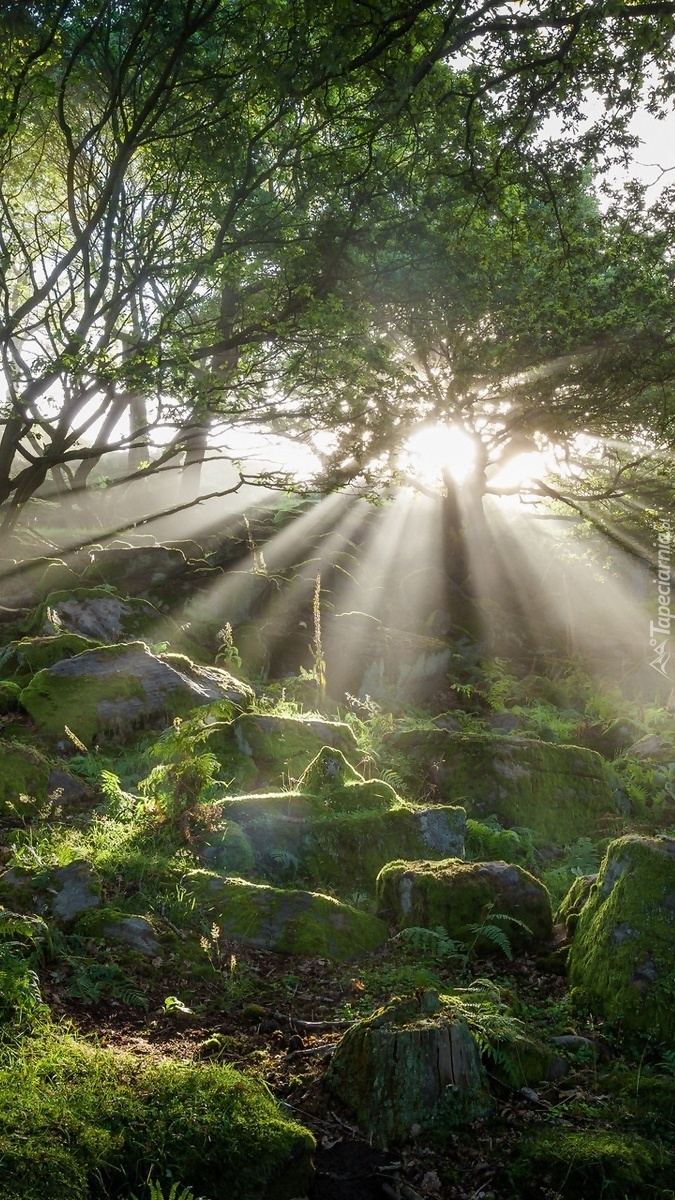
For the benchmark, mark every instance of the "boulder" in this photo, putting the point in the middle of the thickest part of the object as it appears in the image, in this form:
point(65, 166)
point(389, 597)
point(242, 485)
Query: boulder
point(338, 787)
point(654, 749)
point(76, 889)
point(136, 932)
point(152, 570)
point(117, 689)
point(458, 896)
point(622, 957)
point(24, 658)
point(288, 921)
point(562, 792)
point(94, 613)
point(277, 749)
point(410, 1064)
point(343, 850)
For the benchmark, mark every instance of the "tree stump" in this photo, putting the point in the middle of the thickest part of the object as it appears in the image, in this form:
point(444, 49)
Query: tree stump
point(410, 1064)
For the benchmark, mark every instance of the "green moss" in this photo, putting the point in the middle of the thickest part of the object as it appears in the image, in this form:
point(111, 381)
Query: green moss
point(24, 776)
point(339, 787)
point(573, 1163)
point(460, 895)
point(572, 904)
point(79, 1123)
point(54, 701)
point(559, 791)
point(280, 747)
point(396, 1069)
point(288, 921)
point(228, 848)
point(9, 697)
point(348, 850)
point(33, 654)
point(622, 958)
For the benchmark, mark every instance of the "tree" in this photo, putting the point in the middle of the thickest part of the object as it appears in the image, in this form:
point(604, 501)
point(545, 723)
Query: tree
point(190, 188)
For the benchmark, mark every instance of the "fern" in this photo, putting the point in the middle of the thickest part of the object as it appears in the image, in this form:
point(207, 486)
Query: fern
point(430, 943)
point(176, 1192)
point(487, 930)
point(90, 981)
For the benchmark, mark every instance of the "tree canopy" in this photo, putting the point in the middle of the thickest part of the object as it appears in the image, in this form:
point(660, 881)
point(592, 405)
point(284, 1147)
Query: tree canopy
point(300, 216)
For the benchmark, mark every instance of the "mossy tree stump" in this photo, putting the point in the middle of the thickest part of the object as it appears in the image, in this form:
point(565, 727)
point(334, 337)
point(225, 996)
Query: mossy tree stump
point(409, 1064)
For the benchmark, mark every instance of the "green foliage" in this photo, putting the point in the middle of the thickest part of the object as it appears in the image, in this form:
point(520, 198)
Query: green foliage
point(175, 1191)
point(78, 1123)
point(582, 857)
point(490, 930)
point(432, 944)
point(493, 1026)
point(487, 841)
point(22, 943)
point(179, 783)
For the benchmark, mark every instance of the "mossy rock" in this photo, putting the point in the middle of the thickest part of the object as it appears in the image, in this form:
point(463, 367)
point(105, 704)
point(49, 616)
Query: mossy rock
point(279, 747)
point(570, 1164)
point(94, 613)
point(338, 787)
point(457, 895)
point(26, 657)
point(622, 958)
point(116, 690)
point(227, 848)
point(9, 697)
point(410, 1064)
point(347, 850)
point(287, 921)
point(571, 905)
point(77, 1121)
point(562, 792)
point(24, 779)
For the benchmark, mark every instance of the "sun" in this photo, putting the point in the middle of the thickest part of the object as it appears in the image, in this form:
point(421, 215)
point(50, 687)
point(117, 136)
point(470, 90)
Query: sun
point(438, 450)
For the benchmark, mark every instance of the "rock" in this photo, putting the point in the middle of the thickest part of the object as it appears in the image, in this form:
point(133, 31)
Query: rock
point(622, 957)
point(573, 1163)
point(572, 904)
point(277, 749)
point(9, 697)
point(77, 889)
point(506, 722)
point(457, 895)
point(338, 787)
point(288, 921)
point(148, 569)
point(136, 932)
point(31, 654)
point(67, 791)
point(348, 850)
point(654, 748)
point(117, 689)
point(562, 792)
point(93, 613)
point(227, 848)
point(615, 738)
point(344, 850)
point(409, 1064)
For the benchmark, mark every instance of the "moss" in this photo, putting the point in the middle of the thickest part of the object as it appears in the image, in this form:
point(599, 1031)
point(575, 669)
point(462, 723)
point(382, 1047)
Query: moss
point(572, 904)
point(55, 700)
point(559, 791)
point(9, 697)
point(288, 921)
point(572, 1163)
point(227, 848)
point(410, 1063)
point(339, 787)
point(348, 850)
point(32, 654)
point(622, 958)
point(78, 1122)
point(487, 842)
point(459, 895)
point(280, 747)
point(24, 776)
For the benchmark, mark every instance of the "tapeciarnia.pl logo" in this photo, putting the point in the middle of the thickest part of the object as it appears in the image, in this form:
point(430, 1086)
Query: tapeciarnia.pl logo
point(659, 630)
